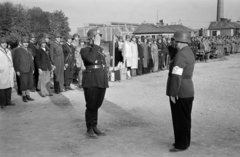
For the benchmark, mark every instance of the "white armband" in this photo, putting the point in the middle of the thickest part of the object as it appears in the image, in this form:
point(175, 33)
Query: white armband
point(177, 71)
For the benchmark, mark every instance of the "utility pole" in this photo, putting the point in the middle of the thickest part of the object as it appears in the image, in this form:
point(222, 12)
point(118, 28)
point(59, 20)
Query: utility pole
point(157, 16)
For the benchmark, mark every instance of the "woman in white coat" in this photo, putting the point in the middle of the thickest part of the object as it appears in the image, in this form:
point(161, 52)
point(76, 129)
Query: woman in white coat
point(127, 55)
point(134, 56)
point(6, 74)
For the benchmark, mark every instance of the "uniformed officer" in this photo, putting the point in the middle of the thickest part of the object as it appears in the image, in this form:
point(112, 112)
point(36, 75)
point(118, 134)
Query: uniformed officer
point(95, 81)
point(181, 91)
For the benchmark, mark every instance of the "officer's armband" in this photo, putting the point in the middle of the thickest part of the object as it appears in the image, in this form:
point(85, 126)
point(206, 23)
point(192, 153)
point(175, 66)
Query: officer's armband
point(177, 70)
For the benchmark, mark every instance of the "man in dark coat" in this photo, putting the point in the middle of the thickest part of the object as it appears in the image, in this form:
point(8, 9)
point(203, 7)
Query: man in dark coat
point(95, 81)
point(69, 62)
point(160, 53)
point(181, 91)
point(33, 47)
point(140, 57)
point(57, 60)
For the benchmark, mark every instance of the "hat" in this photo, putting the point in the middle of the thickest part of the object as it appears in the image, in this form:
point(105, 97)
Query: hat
point(68, 37)
point(83, 39)
point(75, 35)
point(42, 41)
point(33, 35)
point(46, 36)
point(25, 40)
point(62, 40)
point(127, 36)
point(3, 40)
point(58, 35)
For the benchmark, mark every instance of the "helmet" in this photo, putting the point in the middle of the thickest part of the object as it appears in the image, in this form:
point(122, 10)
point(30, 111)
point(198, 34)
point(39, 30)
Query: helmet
point(75, 35)
point(58, 35)
point(25, 40)
point(42, 41)
point(33, 35)
point(68, 37)
point(183, 37)
point(3, 40)
point(92, 32)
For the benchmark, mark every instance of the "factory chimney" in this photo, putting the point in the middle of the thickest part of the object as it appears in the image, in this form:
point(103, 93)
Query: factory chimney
point(220, 9)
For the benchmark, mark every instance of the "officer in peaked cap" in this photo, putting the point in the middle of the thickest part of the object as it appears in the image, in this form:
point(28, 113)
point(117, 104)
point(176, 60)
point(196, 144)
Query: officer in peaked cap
point(95, 81)
point(181, 91)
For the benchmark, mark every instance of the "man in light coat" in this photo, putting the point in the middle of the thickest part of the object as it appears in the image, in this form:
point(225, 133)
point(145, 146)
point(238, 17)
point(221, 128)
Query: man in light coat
point(134, 56)
point(6, 74)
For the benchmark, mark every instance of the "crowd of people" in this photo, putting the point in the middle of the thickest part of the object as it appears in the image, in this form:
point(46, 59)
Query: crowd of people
point(35, 62)
point(205, 48)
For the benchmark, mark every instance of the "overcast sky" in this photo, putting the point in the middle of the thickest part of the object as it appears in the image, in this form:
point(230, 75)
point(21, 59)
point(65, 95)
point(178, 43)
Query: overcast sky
point(192, 13)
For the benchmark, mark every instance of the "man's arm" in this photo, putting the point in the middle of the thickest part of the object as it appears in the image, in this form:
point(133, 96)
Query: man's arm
point(90, 54)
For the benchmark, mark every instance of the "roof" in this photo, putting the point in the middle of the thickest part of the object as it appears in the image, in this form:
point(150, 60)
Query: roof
point(180, 28)
point(223, 25)
point(152, 29)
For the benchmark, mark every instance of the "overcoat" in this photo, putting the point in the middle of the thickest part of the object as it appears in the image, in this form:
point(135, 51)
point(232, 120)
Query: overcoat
point(134, 55)
point(57, 59)
point(180, 74)
point(127, 53)
point(145, 55)
point(43, 61)
point(6, 69)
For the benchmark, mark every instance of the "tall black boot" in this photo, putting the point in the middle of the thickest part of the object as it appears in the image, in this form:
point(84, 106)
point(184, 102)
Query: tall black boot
point(96, 129)
point(89, 124)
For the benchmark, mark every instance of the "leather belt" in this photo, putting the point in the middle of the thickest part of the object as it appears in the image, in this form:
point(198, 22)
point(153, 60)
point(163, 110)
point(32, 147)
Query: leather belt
point(93, 67)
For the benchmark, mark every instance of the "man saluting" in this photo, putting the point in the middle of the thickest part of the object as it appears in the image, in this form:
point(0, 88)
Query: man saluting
point(181, 91)
point(94, 82)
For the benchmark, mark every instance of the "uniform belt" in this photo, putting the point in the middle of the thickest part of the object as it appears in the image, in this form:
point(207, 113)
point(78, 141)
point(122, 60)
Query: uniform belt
point(93, 67)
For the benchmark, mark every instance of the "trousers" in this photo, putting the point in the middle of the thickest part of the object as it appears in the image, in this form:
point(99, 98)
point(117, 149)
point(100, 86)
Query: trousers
point(44, 80)
point(5, 96)
point(181, 117)
point(94, 97)
point(68, 76)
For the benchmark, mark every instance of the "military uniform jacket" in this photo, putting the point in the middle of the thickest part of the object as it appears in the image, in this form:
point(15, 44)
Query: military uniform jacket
point(23, 60)
point(94, 77)
point(69, 54)
point(180, 74)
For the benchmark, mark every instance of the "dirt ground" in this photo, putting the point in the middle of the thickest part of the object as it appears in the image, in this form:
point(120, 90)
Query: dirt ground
point(136, 115)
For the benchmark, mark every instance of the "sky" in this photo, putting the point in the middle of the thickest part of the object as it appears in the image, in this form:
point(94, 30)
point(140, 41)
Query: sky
point(192, 13)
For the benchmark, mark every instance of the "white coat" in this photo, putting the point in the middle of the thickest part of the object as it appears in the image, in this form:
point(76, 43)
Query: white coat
point(134, 55)
point(6, 69)
point(127, 53)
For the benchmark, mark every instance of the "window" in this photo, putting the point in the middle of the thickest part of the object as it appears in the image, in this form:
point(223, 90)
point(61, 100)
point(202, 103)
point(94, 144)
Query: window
point(214, 33)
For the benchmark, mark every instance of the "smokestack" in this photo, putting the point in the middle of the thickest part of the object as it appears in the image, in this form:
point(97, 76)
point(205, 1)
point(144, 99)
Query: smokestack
point(220, 9)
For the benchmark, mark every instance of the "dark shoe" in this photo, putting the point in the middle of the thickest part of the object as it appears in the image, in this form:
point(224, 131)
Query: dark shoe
point(174, 150)
point(91, 134)
point(38, 90)
point(20, 93)
point(57, 92)
point(98, 132)
point(24, 99)
point(10, 104)
point(42, 95)
point(49, 95)
point(2, 107)
point(70, 88)
point(29, 98)
point(33, 90)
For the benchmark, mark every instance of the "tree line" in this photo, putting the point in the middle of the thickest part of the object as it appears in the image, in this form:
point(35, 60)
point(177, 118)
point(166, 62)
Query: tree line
point(17, 21)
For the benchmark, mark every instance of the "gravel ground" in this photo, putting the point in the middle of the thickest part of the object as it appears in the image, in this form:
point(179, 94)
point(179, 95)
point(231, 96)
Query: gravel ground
point(136, 115)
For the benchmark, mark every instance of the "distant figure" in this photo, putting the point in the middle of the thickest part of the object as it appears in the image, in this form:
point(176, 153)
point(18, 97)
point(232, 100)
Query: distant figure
point(181, 91)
